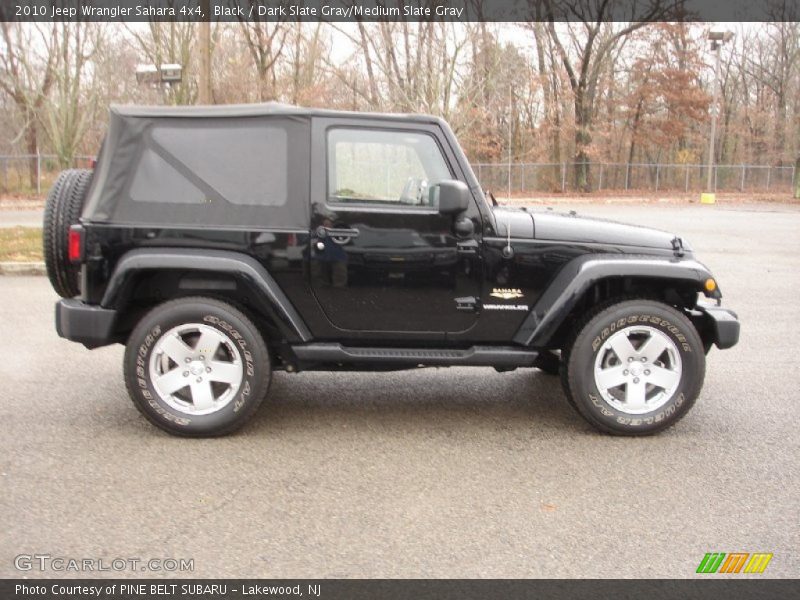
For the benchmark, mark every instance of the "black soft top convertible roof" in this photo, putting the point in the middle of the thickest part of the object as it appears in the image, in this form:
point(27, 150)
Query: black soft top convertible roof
point(244, 165)
point(259, 110)
point(226, 166)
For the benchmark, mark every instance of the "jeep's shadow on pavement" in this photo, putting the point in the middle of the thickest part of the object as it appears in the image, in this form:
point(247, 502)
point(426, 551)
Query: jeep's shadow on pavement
point(530, 402)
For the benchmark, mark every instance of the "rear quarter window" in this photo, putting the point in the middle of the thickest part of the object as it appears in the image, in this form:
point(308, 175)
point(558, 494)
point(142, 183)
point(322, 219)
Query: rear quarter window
point(214, 172)
point(238, 163)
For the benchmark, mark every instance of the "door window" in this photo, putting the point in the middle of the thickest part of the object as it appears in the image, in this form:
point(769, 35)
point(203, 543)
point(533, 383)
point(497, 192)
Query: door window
point(384, 168)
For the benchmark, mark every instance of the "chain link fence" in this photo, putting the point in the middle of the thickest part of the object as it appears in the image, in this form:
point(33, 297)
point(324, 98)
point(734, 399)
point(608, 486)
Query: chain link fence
point(32, 175)
point(530, 178)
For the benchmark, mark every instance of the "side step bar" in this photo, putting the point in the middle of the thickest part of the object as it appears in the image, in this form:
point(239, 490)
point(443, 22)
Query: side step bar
point(476, 356)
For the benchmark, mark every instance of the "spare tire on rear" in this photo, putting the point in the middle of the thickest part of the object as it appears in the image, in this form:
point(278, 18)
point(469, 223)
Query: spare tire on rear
point(62, 211)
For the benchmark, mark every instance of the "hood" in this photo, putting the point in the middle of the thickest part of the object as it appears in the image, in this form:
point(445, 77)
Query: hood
point(568, 227)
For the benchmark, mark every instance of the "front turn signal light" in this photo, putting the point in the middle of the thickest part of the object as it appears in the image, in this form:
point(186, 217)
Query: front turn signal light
point(710, 285)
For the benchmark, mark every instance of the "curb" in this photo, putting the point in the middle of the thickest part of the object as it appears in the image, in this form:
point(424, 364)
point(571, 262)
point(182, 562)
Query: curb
point(22, 268)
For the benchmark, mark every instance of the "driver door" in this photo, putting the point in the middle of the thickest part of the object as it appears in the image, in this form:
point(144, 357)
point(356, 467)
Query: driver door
point(382, 257)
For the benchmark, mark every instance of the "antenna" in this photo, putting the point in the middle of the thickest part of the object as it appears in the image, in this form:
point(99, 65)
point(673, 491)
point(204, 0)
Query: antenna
point(508, 251)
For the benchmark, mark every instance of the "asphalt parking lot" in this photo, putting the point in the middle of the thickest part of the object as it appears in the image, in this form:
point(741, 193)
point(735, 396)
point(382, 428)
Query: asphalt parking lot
point(430, 473)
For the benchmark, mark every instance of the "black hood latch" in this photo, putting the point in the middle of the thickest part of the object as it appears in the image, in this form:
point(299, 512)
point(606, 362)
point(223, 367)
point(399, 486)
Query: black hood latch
point(677, 246)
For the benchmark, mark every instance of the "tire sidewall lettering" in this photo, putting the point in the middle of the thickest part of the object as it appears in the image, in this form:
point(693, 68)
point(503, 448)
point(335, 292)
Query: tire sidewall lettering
point(688, 388)
point(144, 387)
point(238, 338)
point(142, 379)
point(642, 320)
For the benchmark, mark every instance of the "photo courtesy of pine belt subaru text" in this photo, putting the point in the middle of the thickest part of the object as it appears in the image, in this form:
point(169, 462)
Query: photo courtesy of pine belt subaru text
point(222, 244)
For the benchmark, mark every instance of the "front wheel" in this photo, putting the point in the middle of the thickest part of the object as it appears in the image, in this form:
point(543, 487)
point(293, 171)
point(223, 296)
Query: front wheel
point(635, 368)
point(197, 367)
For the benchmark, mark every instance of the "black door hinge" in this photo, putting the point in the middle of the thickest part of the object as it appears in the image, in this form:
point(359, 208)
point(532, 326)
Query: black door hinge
point(467, 247)
point(467, 303)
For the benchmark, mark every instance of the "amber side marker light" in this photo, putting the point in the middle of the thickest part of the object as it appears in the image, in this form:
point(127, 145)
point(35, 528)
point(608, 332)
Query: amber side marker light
point(711, 285)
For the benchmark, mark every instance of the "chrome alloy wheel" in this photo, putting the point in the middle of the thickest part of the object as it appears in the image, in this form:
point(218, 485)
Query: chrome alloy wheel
point(637, 370)
point(196, 369)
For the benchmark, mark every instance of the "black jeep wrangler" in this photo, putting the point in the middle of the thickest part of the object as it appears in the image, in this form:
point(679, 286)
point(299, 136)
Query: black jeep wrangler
point(220, 244)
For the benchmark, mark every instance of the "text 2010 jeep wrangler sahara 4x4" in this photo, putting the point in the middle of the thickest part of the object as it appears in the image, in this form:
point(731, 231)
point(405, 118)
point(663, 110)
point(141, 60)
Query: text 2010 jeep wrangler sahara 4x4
point(220, 244)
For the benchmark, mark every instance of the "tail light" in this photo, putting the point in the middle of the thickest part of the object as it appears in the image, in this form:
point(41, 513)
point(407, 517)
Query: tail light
point(75, 244)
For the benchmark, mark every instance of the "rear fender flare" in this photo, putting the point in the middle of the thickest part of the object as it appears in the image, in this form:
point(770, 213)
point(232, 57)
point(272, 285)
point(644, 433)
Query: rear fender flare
point(577, 276)
point(239, 266)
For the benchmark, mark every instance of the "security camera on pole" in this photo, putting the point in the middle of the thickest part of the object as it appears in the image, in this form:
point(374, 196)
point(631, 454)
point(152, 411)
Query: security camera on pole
point(717, 38)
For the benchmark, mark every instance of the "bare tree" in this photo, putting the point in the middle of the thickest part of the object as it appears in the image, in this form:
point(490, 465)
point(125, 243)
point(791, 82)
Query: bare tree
point(27, 73)
point(775, 63)
point(797, 178)
point(550, 84)
point(591, 86)
point(363, 40)
point(665, 101)
point(496, 110)
point(583, 47)
point(265, 41)
point(409, 66)
point(70, 110)
point(309, 45)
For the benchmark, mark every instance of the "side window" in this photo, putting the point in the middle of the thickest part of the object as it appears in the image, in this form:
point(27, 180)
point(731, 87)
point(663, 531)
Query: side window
point(226, 171)
point(243, 162)
point(384, 168)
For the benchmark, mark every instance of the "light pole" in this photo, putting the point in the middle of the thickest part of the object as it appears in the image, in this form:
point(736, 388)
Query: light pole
point(159, 76)
point(717, 38)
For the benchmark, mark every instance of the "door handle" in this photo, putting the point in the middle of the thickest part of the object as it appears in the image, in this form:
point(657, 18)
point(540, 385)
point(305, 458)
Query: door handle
point(336, 232)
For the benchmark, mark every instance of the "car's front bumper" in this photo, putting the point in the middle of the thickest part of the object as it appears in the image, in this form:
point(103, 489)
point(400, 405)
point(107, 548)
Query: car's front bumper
point(88, 324)
point(721, 325)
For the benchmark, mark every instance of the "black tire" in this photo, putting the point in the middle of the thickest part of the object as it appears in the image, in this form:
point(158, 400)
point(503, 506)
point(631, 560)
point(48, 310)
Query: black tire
point(62, 211)
point(591, 347)
point(245, 341)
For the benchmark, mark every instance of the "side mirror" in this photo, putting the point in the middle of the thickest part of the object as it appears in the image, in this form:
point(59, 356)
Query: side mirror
point(453, 197)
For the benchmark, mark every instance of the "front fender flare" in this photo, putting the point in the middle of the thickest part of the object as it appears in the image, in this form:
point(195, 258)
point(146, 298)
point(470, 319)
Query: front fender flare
point(240, 266)
point(578, 275)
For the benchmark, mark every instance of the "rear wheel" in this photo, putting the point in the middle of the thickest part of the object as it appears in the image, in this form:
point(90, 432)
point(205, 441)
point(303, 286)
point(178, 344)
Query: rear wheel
point(62, 211)
point(635, 368)
point(197, 367)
